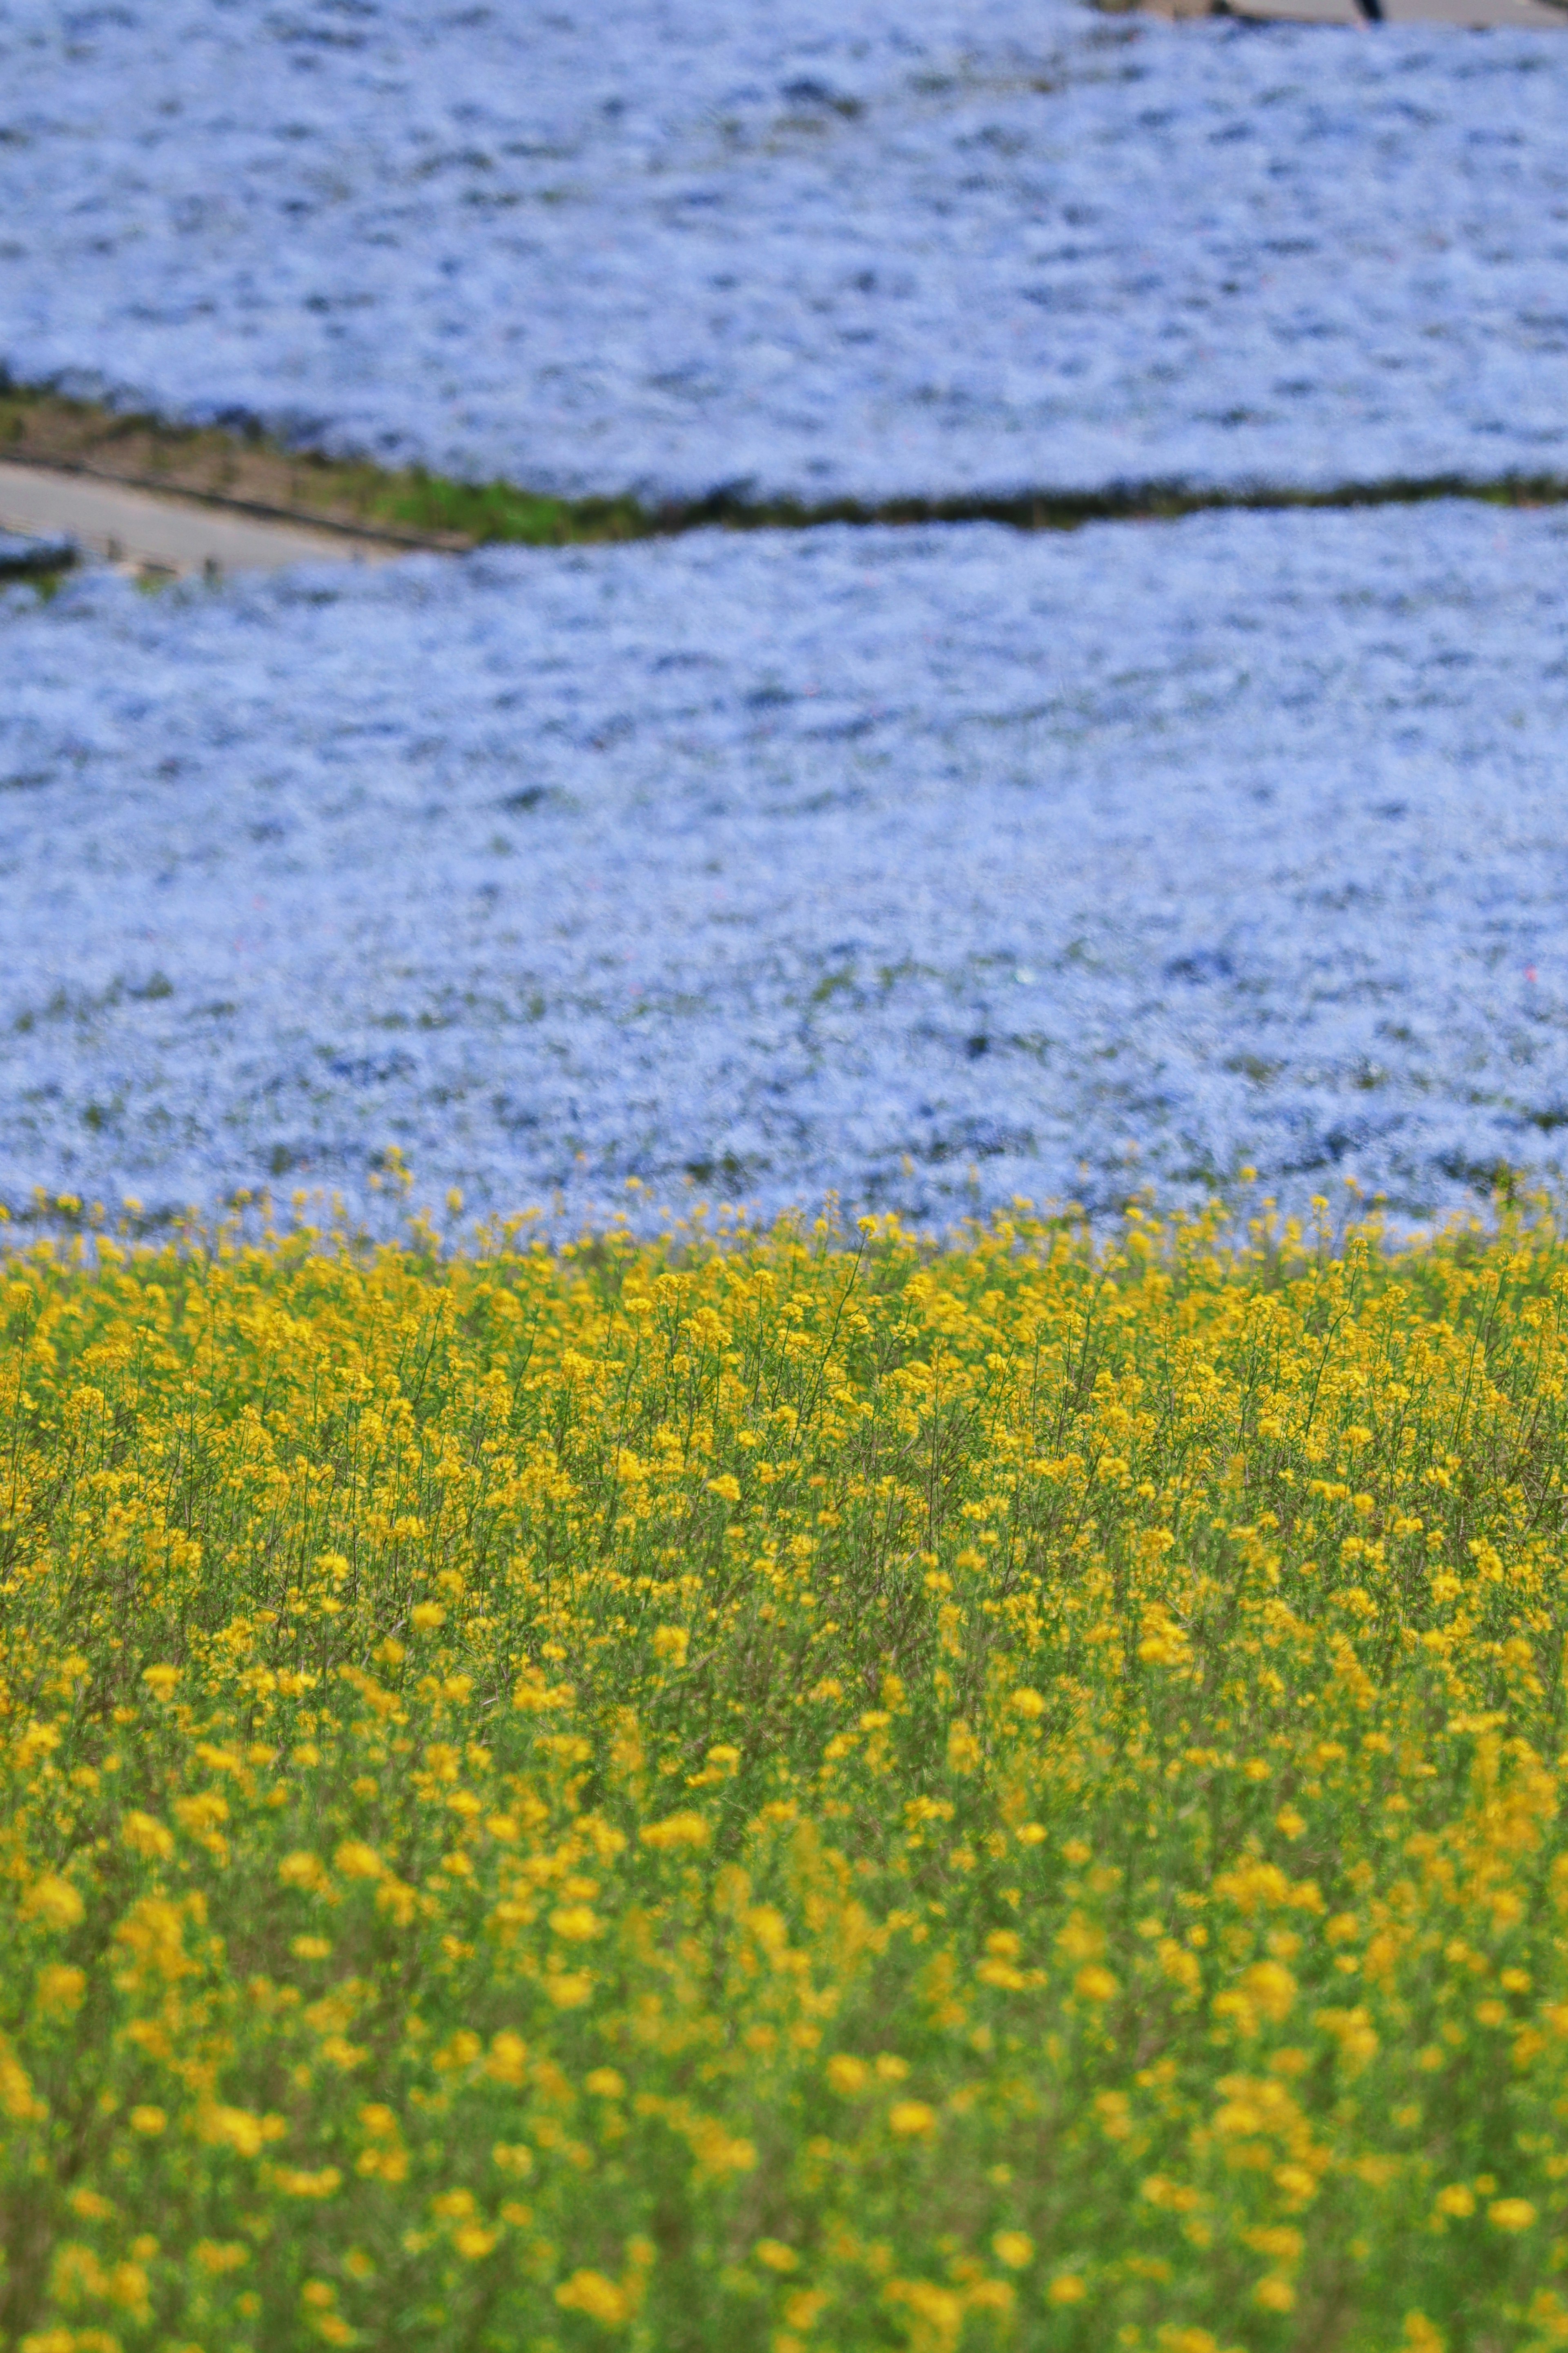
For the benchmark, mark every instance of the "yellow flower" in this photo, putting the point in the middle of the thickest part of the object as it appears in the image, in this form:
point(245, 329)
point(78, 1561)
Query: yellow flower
point(234, 2129)
point(592, 2293)
point(299, 2182)
point(848, 2074)
point(676, 1830)
point(218, 2256)
point(1096, 1984)
point(508, 2057)
point(355, 1859)
point(912, 2119)
point(54, 1901)
point(575, 1923)
point(303, 1869)
point(688, 1740)
point(1421, 2337)
point(60, 1989)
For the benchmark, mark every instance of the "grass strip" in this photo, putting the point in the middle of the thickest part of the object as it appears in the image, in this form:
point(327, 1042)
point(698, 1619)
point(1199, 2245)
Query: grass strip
point(259, 476)
point(806, 1793)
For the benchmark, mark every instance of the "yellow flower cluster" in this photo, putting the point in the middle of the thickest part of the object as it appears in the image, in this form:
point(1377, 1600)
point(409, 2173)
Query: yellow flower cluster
point(807, 1794)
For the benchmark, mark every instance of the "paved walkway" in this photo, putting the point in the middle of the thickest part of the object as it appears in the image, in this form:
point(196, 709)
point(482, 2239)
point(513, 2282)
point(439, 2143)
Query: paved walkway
point(1490, 15)
point(146, 532)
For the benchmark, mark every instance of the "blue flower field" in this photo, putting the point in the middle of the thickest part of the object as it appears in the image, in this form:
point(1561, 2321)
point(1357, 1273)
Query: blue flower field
point(819, 252)
point(931, 867)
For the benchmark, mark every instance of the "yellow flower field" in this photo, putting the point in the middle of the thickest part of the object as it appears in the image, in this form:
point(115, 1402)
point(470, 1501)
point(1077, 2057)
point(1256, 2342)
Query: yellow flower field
point(805, 1795)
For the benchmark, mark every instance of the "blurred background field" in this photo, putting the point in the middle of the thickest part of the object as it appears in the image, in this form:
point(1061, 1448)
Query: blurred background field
point(817, 253)
point(931, 867)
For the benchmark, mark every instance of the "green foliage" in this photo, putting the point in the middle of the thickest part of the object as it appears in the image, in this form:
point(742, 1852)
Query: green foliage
point(792, 1795)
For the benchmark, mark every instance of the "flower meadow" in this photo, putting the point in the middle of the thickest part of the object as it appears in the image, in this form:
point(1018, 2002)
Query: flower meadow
point(760, 1782)
point(928, 866)
point(785, 1790)
point(853, 251)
